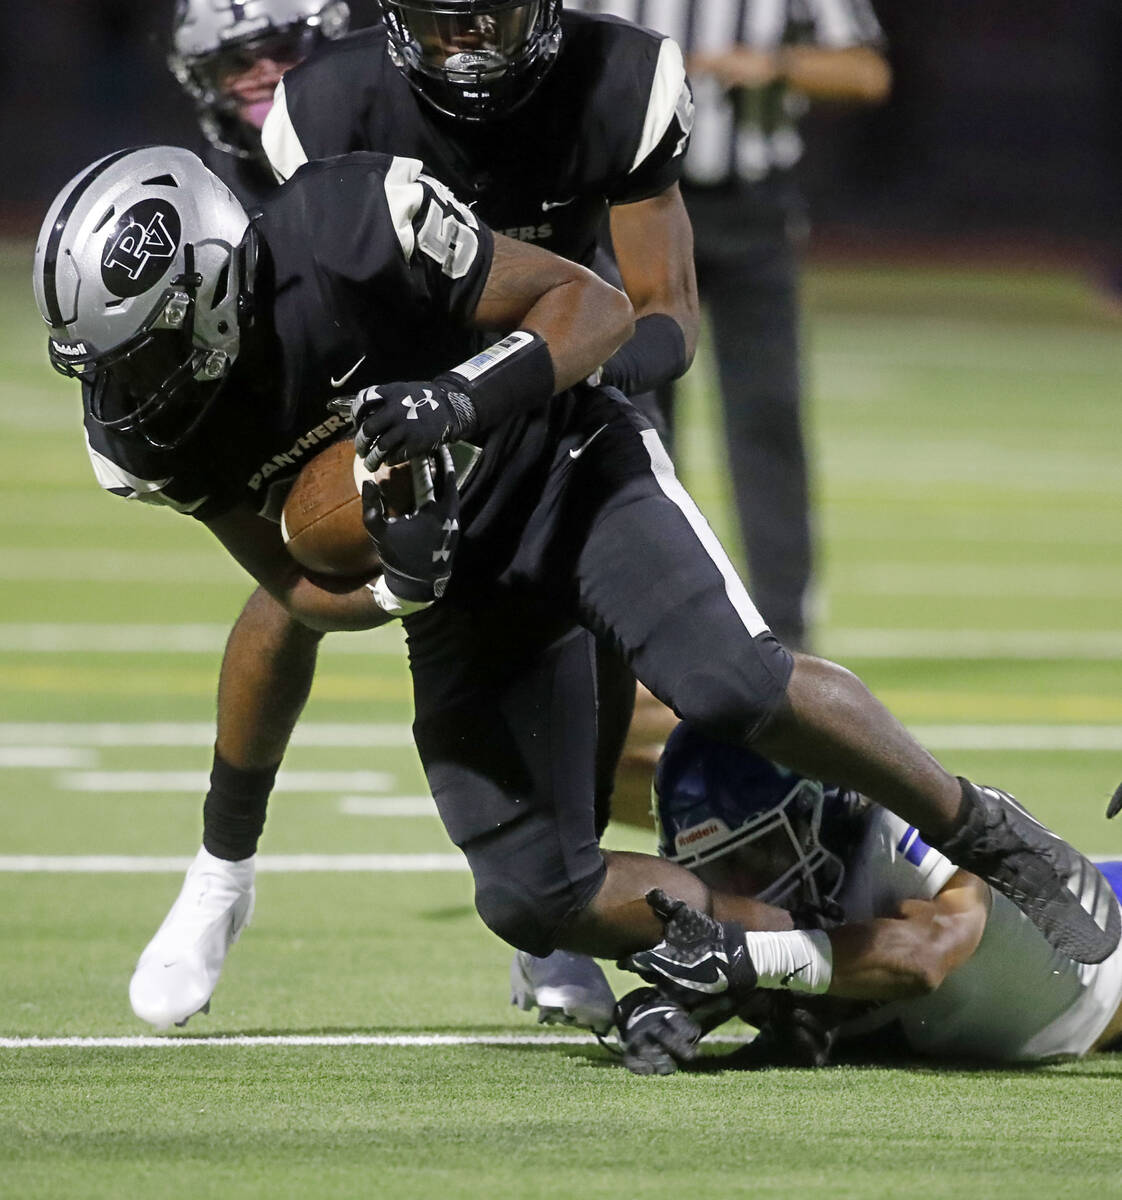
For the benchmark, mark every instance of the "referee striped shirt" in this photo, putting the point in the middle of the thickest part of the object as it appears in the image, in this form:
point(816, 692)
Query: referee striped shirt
point(749, 133)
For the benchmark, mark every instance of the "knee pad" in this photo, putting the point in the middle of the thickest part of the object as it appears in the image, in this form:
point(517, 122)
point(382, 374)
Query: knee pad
point(732, 698)
point(526, 900)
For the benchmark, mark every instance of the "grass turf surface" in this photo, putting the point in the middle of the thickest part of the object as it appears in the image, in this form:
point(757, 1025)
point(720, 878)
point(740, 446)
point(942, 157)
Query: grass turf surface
point(964, 426)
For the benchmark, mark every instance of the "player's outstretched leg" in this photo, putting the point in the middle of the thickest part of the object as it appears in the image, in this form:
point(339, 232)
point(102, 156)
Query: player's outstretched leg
point(179, 968)
point(1061, 891)
point(566, 989)
point(831, 727)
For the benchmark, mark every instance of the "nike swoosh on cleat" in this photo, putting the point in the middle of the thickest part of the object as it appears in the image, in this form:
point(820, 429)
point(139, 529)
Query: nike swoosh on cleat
point(343, 378)
point(588, 442)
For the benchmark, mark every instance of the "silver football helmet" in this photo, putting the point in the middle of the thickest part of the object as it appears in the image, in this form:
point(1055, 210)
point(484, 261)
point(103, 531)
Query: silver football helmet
point(214, 41)
point(144, 274)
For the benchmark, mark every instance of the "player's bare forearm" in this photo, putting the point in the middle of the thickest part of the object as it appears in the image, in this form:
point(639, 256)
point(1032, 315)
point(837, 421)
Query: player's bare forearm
point(653, 244)
point(857, 75)
point(910, 954)
point(320, 604)
point(853, 74)
point(582, 319)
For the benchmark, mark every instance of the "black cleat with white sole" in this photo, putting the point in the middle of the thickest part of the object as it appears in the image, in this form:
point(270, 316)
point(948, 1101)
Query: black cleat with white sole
point(1055, 886)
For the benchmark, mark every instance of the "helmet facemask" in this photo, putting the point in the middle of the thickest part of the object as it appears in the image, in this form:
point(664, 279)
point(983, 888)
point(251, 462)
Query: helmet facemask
point(744, 825)
point(471, 59)
point(144, 274)
point(228, 62)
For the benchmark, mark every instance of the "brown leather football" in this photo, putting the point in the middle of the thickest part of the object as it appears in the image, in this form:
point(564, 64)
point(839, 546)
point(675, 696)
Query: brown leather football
point(322, 518)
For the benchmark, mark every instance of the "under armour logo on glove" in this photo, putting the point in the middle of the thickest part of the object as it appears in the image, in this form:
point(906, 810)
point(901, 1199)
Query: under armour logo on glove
point(412, 405)
point(417, 548)
point(399, 421)
point(451, 529)
point(699, 959)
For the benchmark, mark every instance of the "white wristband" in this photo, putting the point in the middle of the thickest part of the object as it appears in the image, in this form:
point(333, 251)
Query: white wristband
point(389, 603)
point(800, 960)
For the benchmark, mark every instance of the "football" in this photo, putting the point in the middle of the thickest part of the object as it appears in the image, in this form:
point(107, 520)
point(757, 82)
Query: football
point(322, 519)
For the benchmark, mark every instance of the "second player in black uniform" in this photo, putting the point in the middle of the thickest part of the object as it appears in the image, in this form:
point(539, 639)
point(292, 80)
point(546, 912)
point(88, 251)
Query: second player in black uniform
point(207, 343)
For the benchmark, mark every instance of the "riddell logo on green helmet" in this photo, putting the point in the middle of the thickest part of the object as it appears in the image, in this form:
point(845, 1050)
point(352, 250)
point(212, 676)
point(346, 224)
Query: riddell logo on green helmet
point(144, 240)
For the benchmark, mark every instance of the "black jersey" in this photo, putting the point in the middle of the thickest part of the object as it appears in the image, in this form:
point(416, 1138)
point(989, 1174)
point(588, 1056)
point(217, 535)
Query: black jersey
point(250, 179)
point(608, 124)
point(367, 271)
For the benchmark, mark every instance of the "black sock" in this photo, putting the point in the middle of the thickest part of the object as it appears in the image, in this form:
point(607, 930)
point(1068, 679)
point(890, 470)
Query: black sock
point(234, 811)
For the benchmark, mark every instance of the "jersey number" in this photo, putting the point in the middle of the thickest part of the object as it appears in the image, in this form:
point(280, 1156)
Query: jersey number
point(447, 235)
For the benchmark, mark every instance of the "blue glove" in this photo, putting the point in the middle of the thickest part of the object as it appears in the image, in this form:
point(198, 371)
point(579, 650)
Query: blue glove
point(400, 421)
point(417, 548)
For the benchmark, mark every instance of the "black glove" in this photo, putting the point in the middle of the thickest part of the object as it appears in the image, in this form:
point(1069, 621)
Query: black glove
point(399, 421)
point(701, 964)
point(417, 548)
point(655, 1033)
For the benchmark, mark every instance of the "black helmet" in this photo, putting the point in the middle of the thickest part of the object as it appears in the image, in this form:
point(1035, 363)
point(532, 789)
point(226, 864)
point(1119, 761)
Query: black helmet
point(473, 59)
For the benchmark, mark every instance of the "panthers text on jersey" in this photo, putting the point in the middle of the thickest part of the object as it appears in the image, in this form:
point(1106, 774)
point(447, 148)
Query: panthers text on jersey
point(609, 124)
point(367, 270)
point(1015, 1000)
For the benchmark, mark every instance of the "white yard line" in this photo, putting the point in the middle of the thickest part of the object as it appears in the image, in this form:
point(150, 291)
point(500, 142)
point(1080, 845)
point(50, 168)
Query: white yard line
point(196, 781)
point(43, 739)
point(89, 638)
point(423, 1040)
point(1046, 644)
point(388, 806)
point(194, 733)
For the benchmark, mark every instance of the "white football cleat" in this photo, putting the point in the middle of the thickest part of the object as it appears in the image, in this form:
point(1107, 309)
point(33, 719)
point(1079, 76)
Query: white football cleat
point(566, 989)
point(179, 968)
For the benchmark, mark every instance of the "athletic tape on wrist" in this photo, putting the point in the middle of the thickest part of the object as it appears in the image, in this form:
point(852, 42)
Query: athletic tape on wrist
point(800, 960)
point(389, 603)
point(514, 374)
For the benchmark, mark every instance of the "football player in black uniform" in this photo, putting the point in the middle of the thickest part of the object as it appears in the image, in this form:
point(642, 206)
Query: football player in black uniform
point(575, 122)
point(207, 343)
point(229, 56)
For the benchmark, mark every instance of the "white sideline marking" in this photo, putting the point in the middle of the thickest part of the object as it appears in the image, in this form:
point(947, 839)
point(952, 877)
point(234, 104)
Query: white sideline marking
point(277, 864)
point(352, 1039)
point(388, 806)
point(196, 781)
point(198, 733)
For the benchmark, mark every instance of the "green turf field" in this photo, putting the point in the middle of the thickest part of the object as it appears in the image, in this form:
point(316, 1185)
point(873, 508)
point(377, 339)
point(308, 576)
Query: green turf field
point(965, 429)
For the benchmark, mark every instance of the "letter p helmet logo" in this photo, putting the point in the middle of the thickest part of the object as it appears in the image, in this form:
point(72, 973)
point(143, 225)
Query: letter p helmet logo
point(141, 247)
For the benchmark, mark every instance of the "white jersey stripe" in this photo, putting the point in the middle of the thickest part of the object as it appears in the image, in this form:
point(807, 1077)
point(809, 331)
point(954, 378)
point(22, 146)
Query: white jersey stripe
point(669, 80)
point(278, 138)
point(668, 481)
point(404, 196)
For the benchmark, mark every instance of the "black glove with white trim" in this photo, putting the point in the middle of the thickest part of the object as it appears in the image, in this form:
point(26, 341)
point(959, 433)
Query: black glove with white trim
point(400, 421)
point(655, 1033)
point(701, 964)
point(417, 548)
